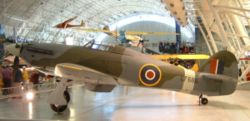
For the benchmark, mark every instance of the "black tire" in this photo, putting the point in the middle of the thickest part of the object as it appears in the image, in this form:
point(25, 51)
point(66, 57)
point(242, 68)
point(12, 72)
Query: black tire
point(58, 108)
point(204, 101)
point(67, 96)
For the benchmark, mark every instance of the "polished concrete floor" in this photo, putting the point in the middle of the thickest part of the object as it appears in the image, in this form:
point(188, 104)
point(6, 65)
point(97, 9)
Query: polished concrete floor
point(131, 104)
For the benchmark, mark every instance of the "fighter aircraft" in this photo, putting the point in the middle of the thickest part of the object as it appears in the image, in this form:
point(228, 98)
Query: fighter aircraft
point(105, 67)
point(66, 24)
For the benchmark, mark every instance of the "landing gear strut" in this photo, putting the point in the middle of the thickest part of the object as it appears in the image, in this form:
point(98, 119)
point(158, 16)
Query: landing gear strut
point(60, 97)
point(58, 108)
point(202, 100)
point(66, 95)
point(61, 108)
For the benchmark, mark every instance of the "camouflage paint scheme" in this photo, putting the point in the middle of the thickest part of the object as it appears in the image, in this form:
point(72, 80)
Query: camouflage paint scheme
point(114, 65)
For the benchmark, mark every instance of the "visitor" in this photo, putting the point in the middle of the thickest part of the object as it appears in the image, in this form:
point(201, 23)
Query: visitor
point(34, 79)
point(7, 76)
point(161, 47)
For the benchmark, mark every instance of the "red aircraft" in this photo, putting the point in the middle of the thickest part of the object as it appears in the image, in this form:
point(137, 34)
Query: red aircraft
point(66, 24)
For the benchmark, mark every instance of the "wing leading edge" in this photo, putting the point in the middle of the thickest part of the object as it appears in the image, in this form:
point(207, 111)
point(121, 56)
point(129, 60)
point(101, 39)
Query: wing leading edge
point(94, 80)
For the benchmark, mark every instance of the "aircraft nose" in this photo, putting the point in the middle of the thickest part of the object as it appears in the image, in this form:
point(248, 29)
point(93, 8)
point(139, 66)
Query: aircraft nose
point(13, 49)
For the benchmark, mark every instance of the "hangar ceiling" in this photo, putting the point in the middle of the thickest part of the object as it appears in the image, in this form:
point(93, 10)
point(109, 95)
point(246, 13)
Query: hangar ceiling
point(224, 24)
point(220, 18)
point(35, 18)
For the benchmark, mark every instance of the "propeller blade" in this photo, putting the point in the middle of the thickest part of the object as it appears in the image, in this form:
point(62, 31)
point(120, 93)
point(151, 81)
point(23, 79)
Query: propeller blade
point(16, 61)
point(15, 68)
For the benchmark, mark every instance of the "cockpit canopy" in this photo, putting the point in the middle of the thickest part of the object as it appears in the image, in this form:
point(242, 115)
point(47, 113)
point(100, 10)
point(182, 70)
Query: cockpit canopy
point(108, 47)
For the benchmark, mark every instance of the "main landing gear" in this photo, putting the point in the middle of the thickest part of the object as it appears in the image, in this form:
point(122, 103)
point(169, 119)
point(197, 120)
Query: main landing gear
point(60, 97)
point(202, 100)
point(61, 108)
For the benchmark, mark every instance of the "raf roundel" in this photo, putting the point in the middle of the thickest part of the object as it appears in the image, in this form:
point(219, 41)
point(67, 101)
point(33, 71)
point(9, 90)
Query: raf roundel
point(150, 75)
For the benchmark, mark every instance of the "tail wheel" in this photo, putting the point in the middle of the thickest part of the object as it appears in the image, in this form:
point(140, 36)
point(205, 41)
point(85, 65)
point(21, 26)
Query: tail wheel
point(67, 96)
point(58, 108)
point(204, 101)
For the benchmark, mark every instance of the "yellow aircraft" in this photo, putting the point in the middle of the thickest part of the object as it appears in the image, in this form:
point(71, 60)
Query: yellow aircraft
point(126, 36)
point(123, 36)
point(189, 61)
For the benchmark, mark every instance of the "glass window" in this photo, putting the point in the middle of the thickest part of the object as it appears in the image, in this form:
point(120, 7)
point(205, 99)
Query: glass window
point(91, 44)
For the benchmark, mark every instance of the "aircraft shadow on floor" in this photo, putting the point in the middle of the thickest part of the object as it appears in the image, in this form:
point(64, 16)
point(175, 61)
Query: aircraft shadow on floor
point(226, 105)
point(61, 116)
point(158, 106)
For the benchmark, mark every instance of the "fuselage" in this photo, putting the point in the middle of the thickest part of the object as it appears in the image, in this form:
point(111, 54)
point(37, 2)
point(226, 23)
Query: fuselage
point(129, 67)
point(119, 62)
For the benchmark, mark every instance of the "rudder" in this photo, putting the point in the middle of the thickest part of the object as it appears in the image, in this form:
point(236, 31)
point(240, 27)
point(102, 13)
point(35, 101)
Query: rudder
point(223, 62)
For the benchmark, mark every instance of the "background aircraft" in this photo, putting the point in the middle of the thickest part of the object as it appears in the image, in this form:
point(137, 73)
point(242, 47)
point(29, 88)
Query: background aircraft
point(66, 24)
point(188, 61)
point(103, 68)
point(123, 36)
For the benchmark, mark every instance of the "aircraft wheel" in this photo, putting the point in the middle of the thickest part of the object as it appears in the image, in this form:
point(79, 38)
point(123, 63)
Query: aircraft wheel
point(204, 101)
point(58, 108)
point(67, 96)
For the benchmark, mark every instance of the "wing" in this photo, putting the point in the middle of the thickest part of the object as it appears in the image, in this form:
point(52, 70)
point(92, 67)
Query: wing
point(150, 33)
point(182, 56)
point(94, 80)
point(63, 24)
point(133, 38)
point(78, 72)
point(69, 20)
point(127, 33)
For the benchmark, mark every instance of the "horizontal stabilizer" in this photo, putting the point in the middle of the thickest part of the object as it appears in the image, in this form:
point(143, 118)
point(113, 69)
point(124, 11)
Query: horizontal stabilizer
point(182, 56)
point(244, 86)
point(221, 84)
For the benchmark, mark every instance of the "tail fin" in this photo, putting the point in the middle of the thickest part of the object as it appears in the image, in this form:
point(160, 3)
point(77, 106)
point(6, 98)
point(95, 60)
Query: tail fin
point(82, 23)
point(106, 28)
point(108, 32)
point(223, 62)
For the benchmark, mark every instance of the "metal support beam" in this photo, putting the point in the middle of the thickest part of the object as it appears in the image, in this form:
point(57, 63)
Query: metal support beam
point(236, 40)
point(239, 28)
point(228, 7)
point(244, 73)
point(206, 39)
point(236, 13)
point(245, 13)
point(211, 39)
point(233, 31)
point(232, 39)
point(220, 26)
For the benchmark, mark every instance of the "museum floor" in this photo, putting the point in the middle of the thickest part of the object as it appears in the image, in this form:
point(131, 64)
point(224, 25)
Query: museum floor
point(131, 104)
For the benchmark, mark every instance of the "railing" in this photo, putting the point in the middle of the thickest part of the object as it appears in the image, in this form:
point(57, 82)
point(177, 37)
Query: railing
point(21, 90)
